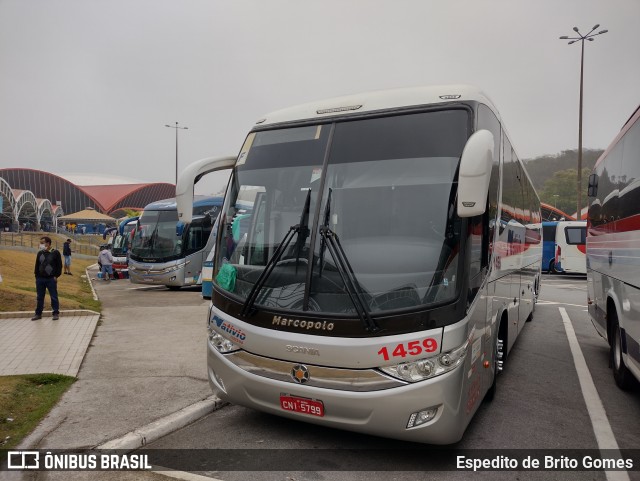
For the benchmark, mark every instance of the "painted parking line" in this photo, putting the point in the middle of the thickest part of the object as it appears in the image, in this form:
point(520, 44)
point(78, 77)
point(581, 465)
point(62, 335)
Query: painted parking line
point(599, 421)
point(183, 475)
point(553, 303)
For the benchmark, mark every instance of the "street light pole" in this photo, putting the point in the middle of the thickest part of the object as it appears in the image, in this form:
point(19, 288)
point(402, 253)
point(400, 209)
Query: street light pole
point(176, 127)
point(581, 38)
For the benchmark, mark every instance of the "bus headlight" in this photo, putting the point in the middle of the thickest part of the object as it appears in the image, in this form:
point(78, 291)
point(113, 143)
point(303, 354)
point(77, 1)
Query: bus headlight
point(221, 343)
point(427, 368)
point(176, 267)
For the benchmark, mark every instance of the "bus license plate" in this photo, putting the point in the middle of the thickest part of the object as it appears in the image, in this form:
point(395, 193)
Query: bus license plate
point(302, 405)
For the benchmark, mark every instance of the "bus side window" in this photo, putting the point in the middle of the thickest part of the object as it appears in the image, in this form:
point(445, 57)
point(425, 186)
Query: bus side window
point(476, 255)
point(487, 120)
point(256, 252)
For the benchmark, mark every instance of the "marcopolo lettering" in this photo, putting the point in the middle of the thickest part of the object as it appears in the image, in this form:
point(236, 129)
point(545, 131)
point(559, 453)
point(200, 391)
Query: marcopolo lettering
point(309, 325)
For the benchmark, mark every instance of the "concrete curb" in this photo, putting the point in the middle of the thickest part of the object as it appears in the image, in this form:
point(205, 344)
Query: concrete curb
point(151, 432)
point(86, 271)
point(63, 313)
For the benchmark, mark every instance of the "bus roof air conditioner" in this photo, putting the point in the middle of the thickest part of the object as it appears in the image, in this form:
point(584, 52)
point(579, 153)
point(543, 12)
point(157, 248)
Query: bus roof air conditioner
point(475, 173)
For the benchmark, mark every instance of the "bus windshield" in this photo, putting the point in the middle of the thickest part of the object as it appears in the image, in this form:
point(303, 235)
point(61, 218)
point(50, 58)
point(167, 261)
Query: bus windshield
point(156, 238)
point(356, 213)
point(120, 244)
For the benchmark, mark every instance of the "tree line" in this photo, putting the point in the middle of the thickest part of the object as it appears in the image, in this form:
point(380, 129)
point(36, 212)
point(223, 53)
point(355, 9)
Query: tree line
point(555, 177)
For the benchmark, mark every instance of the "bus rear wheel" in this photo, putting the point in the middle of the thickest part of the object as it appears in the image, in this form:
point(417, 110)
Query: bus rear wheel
point(621, 374)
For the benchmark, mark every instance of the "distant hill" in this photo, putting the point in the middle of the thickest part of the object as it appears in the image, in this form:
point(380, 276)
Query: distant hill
point(542, 168)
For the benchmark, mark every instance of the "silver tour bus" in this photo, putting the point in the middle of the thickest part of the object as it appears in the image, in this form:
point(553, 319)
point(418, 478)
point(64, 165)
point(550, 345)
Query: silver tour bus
point(613, 251)
point(388, 261)
point(164, 252)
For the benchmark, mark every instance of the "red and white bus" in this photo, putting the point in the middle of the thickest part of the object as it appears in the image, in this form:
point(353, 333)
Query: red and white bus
point(613, 250)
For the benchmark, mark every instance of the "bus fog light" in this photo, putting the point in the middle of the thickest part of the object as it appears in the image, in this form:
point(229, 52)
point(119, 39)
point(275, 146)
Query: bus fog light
point(421, 417)
point(172, 279)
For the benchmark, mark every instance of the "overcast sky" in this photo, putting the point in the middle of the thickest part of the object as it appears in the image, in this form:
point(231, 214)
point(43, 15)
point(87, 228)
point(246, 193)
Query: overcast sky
point(87, 86)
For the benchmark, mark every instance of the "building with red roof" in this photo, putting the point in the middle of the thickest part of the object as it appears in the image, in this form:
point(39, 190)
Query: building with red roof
point(29, 196)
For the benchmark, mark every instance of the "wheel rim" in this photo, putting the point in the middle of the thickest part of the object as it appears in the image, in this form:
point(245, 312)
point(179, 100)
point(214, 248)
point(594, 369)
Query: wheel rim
point(617, 350)
point(499, 355)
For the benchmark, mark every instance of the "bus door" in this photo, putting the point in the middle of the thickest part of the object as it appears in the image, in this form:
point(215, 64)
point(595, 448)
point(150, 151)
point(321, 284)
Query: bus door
point(571, 247)
point(194, 249)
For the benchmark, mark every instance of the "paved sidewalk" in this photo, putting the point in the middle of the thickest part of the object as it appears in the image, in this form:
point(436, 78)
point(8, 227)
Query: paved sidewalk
point(45, 346)
point(146, 361)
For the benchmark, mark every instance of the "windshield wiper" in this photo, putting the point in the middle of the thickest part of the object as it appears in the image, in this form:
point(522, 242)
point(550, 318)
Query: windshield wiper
point(325, 224)
point(352, 286)
point(302, 230)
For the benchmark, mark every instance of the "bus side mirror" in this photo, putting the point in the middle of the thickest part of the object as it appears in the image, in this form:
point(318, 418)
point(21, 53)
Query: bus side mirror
point(475, 173)
point(180, 229)
point(593, 185)
point(190, 176)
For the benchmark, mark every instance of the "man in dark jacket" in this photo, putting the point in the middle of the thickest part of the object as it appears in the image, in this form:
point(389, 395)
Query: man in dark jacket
point(47, 270)
point(66, 252)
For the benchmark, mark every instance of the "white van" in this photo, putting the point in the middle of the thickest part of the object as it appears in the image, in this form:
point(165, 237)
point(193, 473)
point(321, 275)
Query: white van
point(571, 247)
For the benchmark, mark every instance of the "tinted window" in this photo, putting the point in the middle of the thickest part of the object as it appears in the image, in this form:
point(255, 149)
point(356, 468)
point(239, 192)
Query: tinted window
point(549, 233)
point(575, 235)
point(630, 180)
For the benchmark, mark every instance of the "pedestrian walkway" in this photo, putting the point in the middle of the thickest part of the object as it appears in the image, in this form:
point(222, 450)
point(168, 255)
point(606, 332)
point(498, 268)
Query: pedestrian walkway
point(45, 346)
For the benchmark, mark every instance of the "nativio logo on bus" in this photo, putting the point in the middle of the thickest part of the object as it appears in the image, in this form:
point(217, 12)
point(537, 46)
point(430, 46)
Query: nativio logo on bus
point(235, 332)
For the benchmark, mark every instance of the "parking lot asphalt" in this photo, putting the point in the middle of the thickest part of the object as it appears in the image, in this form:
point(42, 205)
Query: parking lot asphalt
point(145, 367)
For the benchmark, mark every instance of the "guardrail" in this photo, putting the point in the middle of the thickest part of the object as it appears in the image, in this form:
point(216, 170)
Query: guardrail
point(81, 244)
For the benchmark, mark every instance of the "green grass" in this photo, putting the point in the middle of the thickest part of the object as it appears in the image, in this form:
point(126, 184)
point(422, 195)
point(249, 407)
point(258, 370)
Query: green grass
point(18, 292)
point(25, 400)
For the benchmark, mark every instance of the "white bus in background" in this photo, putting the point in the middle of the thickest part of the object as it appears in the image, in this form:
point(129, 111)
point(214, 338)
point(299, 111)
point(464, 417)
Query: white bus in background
point(166, 252)
point(388, 263)
point(613, 250)
point(571, 247)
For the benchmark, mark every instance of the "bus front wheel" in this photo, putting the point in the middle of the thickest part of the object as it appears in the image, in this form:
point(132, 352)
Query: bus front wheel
point(173, 288)
point(499, 357)
point(621, 374)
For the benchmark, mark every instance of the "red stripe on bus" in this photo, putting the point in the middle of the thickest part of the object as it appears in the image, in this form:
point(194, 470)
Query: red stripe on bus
point(629, 224)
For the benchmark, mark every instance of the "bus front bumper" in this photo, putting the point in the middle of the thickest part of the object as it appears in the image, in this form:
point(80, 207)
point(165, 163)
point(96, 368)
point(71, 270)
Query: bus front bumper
point(154, 278)
point(383, 413)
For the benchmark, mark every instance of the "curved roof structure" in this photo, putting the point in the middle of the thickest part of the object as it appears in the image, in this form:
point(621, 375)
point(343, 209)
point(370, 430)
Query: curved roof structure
point(64, 194)
point(551, 213)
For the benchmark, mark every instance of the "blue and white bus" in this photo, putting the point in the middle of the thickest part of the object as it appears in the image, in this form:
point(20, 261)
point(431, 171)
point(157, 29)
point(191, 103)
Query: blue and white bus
point(163, 252)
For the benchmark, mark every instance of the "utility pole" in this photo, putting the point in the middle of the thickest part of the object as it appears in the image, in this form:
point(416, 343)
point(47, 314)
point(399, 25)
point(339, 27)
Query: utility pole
point(581, 38)
point(176, 127)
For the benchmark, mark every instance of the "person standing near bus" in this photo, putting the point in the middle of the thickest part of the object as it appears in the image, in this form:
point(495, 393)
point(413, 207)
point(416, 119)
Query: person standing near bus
point(47, 269)
point(105, 259)
point(66, 252)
